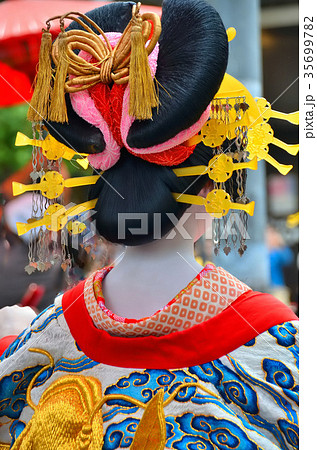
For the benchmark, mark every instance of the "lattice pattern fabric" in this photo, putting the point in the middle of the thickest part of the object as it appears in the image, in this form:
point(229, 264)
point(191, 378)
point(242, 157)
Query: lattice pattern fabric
point(210, 292)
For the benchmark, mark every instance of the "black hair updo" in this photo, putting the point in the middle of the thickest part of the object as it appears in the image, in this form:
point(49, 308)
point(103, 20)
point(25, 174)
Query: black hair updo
point(192, 60)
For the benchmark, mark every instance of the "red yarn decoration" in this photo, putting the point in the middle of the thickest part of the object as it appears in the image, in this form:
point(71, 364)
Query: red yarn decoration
point(109, 103)
point(170, 157)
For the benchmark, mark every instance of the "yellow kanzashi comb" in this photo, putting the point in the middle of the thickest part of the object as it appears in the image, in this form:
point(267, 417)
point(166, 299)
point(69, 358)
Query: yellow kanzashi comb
point(219, 169)
point(52, 149)
point(217, 202)
point(259, 137)
point(263, 135)
point(55, 217)
point(230, 88)
point(215, 130)
point(267, 112)
point(52, 184)
point(255, 118)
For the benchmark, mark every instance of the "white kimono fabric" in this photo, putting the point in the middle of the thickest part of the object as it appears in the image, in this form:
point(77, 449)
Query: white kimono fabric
point(245, 398)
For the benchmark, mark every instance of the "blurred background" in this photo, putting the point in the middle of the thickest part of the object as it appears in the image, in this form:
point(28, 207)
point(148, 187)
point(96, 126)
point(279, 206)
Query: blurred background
point(263, 56)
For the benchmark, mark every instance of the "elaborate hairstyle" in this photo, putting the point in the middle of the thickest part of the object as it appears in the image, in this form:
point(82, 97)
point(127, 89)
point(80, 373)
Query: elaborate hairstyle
point(191, 63)
point(148, 103)
point(192, 60)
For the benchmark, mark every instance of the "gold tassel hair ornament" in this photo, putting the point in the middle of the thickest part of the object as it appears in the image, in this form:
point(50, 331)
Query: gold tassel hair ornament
point(126, 63)
point(41, 96)
point(58, 110)
point(143, 95)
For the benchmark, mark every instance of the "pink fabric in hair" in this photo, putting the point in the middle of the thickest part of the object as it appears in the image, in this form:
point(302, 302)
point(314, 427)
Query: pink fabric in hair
point(181, 137)
point(85, 107)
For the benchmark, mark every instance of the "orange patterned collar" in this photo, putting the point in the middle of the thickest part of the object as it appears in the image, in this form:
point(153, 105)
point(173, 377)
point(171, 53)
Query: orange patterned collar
point(210, 292)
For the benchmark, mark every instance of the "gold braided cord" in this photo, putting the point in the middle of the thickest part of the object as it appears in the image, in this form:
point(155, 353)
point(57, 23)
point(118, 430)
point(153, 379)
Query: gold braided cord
point(72, 16)
point(112, 65)
point(126, 63)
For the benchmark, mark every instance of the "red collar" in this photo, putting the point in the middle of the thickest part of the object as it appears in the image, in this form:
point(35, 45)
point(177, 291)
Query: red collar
point(250, 315)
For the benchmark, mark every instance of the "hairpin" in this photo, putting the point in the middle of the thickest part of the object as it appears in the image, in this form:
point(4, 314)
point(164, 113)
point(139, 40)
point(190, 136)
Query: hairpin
point(219, 169)
point(259, 137)
point(52, 149)
point(52, 184)
point(217, 202)
point(55, 217)
point(267, 112)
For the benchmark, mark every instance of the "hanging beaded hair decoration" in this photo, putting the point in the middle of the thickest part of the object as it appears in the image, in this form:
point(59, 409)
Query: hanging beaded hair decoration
point(238, 117)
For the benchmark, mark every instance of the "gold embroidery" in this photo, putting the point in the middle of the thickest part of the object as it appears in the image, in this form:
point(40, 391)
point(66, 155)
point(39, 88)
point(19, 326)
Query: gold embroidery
point(69, 415)
point(151, 431)
point(61, 419)
point(65, 416)
point(51, 364)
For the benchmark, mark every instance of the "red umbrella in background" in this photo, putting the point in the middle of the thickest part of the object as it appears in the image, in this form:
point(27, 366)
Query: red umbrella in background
point(15, 86)
point(21, 26)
